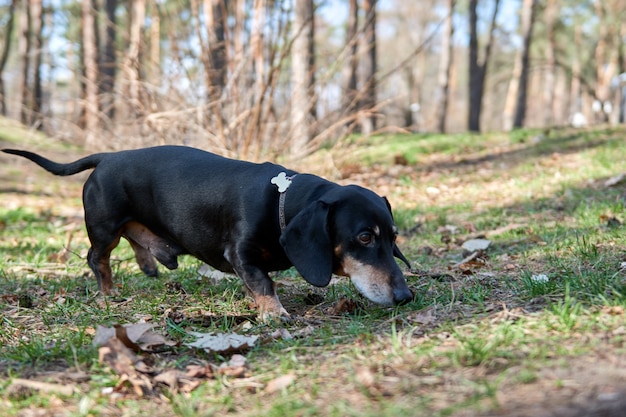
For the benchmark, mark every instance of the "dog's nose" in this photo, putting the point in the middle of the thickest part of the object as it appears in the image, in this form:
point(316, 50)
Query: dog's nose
point(402, 295)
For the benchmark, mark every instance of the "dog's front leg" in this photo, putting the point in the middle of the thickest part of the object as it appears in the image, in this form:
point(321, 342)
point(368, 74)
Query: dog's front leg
point(263, 290)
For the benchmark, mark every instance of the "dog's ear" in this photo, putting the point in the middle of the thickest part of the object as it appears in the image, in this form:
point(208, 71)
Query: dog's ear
point(308, 246)
point(396, 249)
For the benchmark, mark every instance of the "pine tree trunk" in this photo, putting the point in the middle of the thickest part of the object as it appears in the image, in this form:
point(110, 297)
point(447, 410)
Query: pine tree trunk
point(8, 35)
point(36, 12)
point(528, 22)
point(368, 123)
point(132, 66)
point(477, 69)
point(550, 15)
point(90, 66)
point(350, 70)
point(24, 48)
point(215, 15)
point(515, 102)
point(301, 76)
point(445, 66)
point(107, 62)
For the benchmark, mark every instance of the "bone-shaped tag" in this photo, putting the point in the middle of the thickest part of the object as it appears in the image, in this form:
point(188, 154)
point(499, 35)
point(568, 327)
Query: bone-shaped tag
point(282, 181)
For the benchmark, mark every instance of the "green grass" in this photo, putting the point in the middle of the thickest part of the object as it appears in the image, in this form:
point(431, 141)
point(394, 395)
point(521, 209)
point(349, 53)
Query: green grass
point(471, 334)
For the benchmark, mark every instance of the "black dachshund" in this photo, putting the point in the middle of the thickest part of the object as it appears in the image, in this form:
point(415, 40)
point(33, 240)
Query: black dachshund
point(237, 217)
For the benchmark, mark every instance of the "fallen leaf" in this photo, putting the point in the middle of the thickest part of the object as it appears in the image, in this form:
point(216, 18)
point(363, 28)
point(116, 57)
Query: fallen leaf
point(615, 180)
point(177, 381)
point(126, 364)
point(613, 310)
point(475, 245)
point(304, 332)
point(422, 317)
point(137, 336)
point(281, 334)
point(198, 371)
point(343, 306)
point(222, 342)
point(169, 378)
point(103, 335)
point(280, 383)
point(364, 376)
point(235, 367)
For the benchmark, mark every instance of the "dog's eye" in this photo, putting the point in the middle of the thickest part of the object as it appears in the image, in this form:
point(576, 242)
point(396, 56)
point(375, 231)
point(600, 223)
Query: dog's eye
point(366, 238)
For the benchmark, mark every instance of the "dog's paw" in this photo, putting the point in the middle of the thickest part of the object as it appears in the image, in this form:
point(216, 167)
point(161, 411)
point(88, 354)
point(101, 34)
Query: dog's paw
point(270, 309)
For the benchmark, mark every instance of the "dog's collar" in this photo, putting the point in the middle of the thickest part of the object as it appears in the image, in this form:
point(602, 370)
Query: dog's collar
point(282, 182)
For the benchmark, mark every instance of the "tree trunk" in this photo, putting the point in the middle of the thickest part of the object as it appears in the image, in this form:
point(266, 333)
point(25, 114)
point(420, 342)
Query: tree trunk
point(575, 99)
point(368, 123)
point(350, 70)
point(256, 41)
point(215, 14)
point(515, 103)
point(154, 64)
point(301, 76)
point(107, 62)
point(550, 15)
point(478, 69)
point(445, 65)
point(37, 16)
point(256, 44)
point(8, 34)
point(91, 74)
point(606, 56)
point(24, 48)
point(528, 22)
point(132, 66)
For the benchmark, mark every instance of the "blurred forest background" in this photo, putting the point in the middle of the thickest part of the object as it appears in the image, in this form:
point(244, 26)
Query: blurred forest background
point(262, 78)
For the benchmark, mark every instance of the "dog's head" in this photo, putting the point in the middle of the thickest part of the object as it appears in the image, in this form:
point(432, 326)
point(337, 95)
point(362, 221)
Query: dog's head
point(349, 231)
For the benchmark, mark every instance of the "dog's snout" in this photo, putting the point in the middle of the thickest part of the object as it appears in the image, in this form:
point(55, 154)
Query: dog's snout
point(402, 295)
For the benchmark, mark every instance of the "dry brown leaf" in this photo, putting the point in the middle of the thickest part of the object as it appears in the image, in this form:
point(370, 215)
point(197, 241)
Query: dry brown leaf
point(170, 378)
point(126, 364)
point(422, 317)
point(364, 376)
point(235, 367)
point(280, 383)
point(281, 334)
point(343, 306)
point(137, 336)
point(198, 371)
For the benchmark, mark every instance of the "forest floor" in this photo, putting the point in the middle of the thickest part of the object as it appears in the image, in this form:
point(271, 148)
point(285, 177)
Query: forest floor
point(533, 324)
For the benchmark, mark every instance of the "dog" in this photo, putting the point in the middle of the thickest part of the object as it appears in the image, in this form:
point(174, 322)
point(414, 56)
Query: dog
point(237, 216)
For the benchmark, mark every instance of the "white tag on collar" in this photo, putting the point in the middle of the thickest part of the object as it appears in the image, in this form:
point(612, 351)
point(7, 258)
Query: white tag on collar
point(282, 181)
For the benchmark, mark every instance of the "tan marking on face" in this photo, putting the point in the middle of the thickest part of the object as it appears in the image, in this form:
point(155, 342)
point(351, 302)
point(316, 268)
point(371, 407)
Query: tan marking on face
point(338, 254)
point(371, 282)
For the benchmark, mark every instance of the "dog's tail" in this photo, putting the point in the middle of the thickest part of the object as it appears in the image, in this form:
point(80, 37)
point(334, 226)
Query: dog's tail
point(56, 168)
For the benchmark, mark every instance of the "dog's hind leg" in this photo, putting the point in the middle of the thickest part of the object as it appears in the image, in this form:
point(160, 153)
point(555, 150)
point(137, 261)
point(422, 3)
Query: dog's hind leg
point(99, 256)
